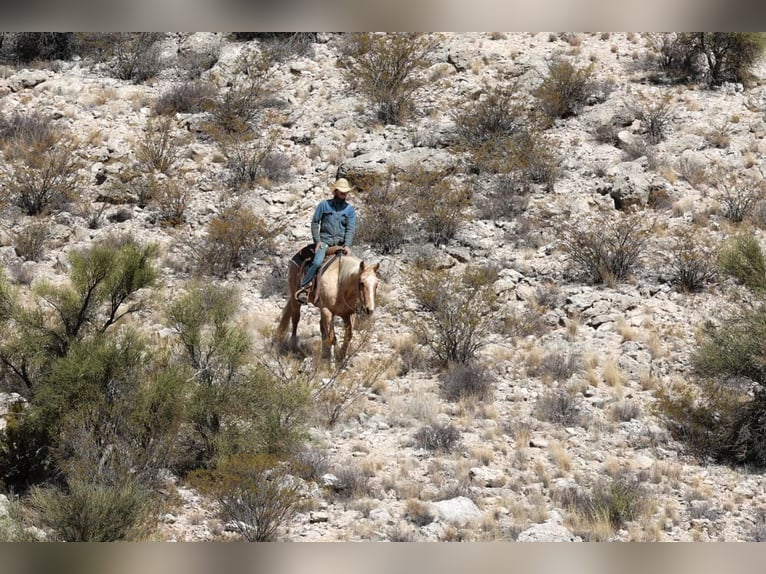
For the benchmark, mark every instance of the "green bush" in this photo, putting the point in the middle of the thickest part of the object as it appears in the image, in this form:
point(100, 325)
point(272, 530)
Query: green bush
point(564, 90)
point(609, 249)
point(234, 238)
point(387, 70)
point(456, 315)
point(254, 493)
point(93, 512)
point(80, 379)
point(741, 257)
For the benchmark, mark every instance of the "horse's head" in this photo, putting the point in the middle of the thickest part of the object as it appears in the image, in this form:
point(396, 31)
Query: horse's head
point(368, 286)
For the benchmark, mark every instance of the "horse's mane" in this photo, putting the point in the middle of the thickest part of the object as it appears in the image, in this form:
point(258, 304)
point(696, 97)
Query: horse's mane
point(349, 266)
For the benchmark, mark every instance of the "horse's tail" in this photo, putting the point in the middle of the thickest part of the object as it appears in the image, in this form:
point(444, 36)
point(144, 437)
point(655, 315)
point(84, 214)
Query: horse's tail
point(289, 309)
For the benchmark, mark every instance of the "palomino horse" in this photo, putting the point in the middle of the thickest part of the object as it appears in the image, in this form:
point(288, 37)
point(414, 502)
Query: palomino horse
point(346, 287)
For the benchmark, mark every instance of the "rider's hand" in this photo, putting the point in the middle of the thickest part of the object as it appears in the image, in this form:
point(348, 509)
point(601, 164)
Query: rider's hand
point(346, 250)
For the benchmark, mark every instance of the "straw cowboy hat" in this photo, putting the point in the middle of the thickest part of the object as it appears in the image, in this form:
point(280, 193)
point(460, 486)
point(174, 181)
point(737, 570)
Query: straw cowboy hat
point(342, 185)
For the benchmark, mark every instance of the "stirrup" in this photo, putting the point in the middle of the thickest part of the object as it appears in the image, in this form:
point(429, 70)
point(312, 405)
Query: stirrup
point(302, 295)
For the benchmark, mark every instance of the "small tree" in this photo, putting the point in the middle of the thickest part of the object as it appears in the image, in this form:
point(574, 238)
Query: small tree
point(727, 56)
point(385, 68)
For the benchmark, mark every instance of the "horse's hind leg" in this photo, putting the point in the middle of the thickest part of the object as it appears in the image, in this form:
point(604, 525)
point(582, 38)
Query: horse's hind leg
point(296, 317)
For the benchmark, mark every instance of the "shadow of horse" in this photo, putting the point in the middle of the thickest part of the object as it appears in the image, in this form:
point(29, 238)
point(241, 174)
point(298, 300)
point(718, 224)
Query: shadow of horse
point(347, 287)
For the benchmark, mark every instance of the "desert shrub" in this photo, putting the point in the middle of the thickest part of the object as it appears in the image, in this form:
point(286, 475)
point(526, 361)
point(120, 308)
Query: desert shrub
point(466, 381)
point(43, 165)
point(172, 200)
point(739, 196)
point(556, 365)
point(186, 98)
point(237, 109)
point(502, 136)
point(500, 113)
point(384, 224)
point(234, 238)
point(719, 134)
point(758, 533)
point(310, 463)
point(558, 406)
point(456, 317)
point(537, 158)
point(741, 257)
point(438, 437)
point(80, 380)
point(352, 482)
point(26, 47)
point(281, 46)
point(253, 161)
point(254, 494)
point(385, 68)
point(438, 202)
point(610, 249)
point(625, 410)
point(195, 63)
point(137, 56)
point(507, 197)
point(159, 148)
point(418, 512)
point(30, 241)
point(612, 501)
point(718, 57)
point(655, 114)
point(722, 417)
point(715, 420)
point(32, 130)
point(88, 512)
point(565, 89)
point(692, 262)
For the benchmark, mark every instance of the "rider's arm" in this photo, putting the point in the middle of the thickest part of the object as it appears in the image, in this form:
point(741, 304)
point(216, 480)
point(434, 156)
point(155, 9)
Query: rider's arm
point(316, 222)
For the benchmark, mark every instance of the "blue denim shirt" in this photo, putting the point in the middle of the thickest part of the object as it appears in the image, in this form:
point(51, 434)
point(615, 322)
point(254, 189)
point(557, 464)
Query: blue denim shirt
point(334, 222)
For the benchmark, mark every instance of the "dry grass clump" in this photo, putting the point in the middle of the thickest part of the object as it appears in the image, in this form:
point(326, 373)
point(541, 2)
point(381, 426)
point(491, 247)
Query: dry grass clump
point(467, 381)
point(438, 437)
point(559, 406)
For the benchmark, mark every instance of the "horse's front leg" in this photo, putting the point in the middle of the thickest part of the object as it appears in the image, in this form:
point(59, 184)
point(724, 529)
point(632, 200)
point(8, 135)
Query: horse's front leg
point(348, 325)
point(327, 330)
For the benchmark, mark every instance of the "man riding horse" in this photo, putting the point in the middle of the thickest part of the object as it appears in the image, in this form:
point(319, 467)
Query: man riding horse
point(333, 224)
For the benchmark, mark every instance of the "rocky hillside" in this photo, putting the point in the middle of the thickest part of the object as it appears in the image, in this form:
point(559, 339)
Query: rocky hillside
point(575, 365)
